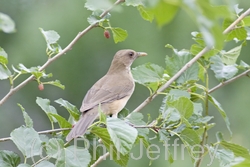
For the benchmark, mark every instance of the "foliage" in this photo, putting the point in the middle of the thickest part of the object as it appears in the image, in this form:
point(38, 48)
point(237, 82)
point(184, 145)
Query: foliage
point(184, 113)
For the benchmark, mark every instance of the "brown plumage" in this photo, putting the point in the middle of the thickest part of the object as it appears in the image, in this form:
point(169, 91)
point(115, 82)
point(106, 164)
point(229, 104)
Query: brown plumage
point(112, 91)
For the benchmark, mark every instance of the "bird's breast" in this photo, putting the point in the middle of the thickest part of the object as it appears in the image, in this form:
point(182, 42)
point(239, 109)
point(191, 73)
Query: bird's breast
point(113, 108)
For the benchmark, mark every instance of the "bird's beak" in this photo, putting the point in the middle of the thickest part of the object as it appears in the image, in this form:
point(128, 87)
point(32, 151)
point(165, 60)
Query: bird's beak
point(142, 54)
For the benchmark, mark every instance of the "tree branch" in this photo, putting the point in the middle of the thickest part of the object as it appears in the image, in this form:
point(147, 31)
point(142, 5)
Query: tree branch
point(100, 159)
point(246, 73)
point(233, 25)
point(41, 132)
point(66, 49)
point(192, 61)
point(183, 69)
point(177, 75)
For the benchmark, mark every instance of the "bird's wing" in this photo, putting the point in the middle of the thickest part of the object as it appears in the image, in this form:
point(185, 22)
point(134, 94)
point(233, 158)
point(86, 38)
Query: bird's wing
point(103, 92)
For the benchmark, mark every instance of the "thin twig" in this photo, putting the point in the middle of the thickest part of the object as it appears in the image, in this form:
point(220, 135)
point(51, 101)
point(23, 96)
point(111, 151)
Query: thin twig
point(232, 26)
point(41, 132)
point(66, 49)
point(246, 73)
point(100, 159)
point(201, 53)
point(40, 160)
point(177, 75)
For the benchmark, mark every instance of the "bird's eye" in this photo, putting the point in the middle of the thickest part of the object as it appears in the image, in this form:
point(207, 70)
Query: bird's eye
point(131, 54)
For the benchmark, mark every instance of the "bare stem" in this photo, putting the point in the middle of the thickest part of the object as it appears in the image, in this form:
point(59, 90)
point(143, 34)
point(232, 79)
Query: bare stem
point(200, 54)
point(41, 132)
point(100, 159)
point(177, 75)
point(232, 26)
point(50, 60)
point(246, 73)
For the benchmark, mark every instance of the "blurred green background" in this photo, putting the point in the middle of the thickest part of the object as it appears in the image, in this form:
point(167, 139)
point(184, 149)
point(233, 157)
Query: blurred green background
point(90, 58)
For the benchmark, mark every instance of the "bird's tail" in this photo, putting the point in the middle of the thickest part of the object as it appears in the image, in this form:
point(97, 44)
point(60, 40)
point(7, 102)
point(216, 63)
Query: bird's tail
point(81, 126)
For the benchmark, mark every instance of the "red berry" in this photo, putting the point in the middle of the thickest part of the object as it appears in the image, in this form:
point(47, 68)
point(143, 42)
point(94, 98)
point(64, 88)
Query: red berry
point(40, 87)
point(106, 34)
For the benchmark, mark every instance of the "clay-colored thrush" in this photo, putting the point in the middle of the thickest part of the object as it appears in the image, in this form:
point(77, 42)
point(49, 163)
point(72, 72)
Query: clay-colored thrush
point(112, 92)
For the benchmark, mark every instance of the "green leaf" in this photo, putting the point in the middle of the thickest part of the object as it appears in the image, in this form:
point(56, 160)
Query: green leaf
point(73, 156)
point(25, 70)
point(114, 154)
point(50, 36)
point(44, 104)
point(145, 14)
point(183, 105)
point(63, 123)
point(95, 17)
point(175, 94)
point(9, 158)
point(134, 3)
point(142, 140)
point(237, 9)
point(221, 111)
point(3, 57)
point(202, 72)
point(73, 111)
point(177, 61)
point(28, 121)
point(238, 32)
point(136, 118)
point(95, 5)
point(95, 148)
point(45, 163)
point(242, 163)
point(238, 150)
point(33, 70)
point(56, 83)
point(242, 63)
point(119, 34)
point(102, 116)
point(4, 72)
point(148, 73)
point(54, 147)
point(230, 57)
point(190, 139)
point(246, 21)
point(169, 113)
point(27, 141)
point(197, 48)
point(23, 165)
point(224, 156)
point(222, 71)
point(7, 25)
point(163, 135)
point(123, 113)
point(164, 12)
point(122, 135)
point(219, 136)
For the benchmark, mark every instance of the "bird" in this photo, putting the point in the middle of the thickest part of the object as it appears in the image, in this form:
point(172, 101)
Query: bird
point(110, 93)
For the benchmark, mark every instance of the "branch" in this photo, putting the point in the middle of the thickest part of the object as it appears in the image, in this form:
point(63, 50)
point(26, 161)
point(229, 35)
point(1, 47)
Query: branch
point(246, 73)
point(66, 49)
point(100, 159)
point(177, 75)
point(41, 132)
point(192, 61)
point(233, 25)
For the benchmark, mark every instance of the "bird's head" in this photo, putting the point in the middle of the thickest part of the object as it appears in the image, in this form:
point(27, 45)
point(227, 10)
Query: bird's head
point(125, 58)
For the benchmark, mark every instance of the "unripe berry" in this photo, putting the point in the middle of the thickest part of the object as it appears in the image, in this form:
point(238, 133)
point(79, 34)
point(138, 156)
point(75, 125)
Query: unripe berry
point(40, 87)
point(106, 34)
